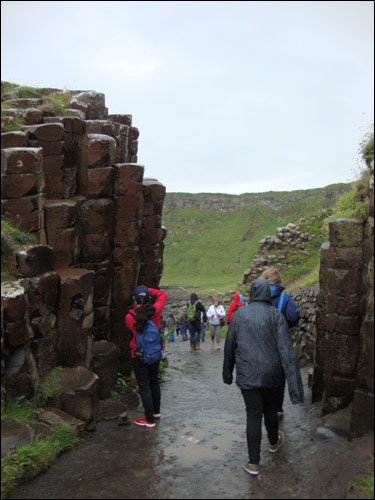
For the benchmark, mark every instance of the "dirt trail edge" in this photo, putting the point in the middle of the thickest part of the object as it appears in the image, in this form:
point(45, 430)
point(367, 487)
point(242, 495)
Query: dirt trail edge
point(198, 447)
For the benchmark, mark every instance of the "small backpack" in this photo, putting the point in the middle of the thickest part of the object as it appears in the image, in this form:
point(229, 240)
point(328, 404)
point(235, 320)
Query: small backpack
point(191, 312)
point(149, 346)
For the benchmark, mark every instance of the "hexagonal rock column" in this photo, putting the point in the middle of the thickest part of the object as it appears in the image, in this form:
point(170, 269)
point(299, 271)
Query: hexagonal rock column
point(362, 419)
point(50, 137)
point(16, 139)
point(132, 145)
point(93, 152)
point(152, 234)
point(75, 317)
point(123, 138)
point(91, 103)
point(105, 363)
point(22, 188)
point(74, 130)
point(127, 230)
point(79, 394)
point(42, 297)
point(62, 233)
point(32, 260)
point(338, 315)
point(13, 305)
point(96, 219)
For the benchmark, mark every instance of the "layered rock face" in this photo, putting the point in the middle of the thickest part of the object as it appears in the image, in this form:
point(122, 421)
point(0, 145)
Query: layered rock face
point(344, 357)
point(75, 182)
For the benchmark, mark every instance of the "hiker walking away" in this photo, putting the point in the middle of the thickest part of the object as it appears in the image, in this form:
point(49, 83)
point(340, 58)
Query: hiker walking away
point(194, 308)
point(216, 319)
point(259, 344)
point(284, 303)
point(182, 323)
point(171, 325)
point(234, 306)
point(146, 348)
point(203, 320)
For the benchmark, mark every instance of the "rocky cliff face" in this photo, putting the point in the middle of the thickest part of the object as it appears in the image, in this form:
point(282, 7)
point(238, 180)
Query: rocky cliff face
point(224, 203)
point(74, 182)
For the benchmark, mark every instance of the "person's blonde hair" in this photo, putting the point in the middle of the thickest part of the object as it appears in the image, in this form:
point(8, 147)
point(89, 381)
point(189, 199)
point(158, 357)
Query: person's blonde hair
point(272, 275)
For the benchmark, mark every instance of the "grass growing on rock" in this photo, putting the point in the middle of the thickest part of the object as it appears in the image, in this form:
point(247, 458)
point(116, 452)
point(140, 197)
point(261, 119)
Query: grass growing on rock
point(11, 239)
point(49, 385)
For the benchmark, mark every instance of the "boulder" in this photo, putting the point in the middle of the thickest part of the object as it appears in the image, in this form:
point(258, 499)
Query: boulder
point(105, 363)
point(57, 417)
point(14, 435)
point(79, 393)
point(91, 103)
point(33, 260)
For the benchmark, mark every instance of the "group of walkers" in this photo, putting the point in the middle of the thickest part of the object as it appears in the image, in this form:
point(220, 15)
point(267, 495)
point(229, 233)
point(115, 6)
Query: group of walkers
point(258, 344)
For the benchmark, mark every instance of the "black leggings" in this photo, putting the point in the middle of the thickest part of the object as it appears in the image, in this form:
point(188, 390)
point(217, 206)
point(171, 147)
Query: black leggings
point(258, 402)
point(149, 387)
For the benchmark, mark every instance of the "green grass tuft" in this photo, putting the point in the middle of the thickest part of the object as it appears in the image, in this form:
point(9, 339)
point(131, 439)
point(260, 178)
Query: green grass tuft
point(28, 461)
point(363, 486)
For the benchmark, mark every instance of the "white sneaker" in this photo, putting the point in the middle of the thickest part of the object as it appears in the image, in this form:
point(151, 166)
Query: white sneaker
point(274, 447)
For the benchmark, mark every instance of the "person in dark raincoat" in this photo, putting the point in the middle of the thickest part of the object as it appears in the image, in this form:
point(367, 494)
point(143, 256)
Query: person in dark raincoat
point(259, 345)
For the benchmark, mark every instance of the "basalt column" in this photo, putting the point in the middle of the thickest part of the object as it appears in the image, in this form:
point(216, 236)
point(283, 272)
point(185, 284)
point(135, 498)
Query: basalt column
point(127, 231)
point(363, 402)
point(96, 221)
point(50, 137)
point(151, 244)
point(338, 315)
point(22, 188)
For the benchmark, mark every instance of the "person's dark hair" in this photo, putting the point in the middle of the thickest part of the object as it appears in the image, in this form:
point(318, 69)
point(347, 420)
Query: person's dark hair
point(144, 312)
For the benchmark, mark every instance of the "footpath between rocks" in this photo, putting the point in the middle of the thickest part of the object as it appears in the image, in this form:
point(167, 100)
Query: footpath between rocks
point(198, 447)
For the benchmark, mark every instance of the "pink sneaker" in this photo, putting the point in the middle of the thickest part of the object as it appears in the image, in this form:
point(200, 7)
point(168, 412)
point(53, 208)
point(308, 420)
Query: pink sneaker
point(144, 423)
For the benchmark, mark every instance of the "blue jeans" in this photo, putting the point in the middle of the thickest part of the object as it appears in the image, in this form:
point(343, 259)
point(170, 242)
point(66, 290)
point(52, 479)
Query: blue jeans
point(203, 332)
point(195, 328)
point(183, 332)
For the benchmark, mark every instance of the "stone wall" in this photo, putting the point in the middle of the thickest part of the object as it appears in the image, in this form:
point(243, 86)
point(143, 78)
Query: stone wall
point(75, 183)
point(304, 334)
point(273, 250)
point(344, 357)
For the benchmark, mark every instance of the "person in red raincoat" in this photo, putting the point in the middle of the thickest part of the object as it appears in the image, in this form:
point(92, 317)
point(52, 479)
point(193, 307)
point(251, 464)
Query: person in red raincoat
point(234, 305)
point(147, 376)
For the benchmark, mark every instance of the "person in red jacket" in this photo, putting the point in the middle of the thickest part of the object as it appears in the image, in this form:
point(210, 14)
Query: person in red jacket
point(236, 304)
point(147, 376)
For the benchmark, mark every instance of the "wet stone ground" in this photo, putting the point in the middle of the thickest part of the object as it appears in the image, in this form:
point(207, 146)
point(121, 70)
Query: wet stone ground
point(198, 447)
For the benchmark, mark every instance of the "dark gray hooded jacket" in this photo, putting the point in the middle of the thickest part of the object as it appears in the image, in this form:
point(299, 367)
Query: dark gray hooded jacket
point(259, 344)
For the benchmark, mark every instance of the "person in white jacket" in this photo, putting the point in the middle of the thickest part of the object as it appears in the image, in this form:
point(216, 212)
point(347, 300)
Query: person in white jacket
point(216, 314)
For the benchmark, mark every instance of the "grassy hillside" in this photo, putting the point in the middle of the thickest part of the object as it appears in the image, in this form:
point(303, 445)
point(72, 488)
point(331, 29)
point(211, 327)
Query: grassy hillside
point(211, 250)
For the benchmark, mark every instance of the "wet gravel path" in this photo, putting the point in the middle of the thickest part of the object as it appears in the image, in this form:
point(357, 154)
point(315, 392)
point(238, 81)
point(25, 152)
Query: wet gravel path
point(198, 447)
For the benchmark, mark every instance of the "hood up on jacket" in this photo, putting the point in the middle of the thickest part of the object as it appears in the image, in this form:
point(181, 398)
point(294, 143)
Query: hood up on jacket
point(260, 291)
point(276, 290)
point(236, 297)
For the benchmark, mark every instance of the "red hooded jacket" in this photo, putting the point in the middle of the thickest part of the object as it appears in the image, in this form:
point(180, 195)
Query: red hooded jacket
point(161, 298)
point(232, 307)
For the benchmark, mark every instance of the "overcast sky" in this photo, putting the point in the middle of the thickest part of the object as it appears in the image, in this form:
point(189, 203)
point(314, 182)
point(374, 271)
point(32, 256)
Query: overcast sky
point(229, 97)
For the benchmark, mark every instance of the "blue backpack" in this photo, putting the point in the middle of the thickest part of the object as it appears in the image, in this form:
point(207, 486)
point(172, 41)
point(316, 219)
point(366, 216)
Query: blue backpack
point(149, 346)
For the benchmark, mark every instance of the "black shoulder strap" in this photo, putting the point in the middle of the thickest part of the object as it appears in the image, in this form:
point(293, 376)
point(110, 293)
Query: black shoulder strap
point(133, 315)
